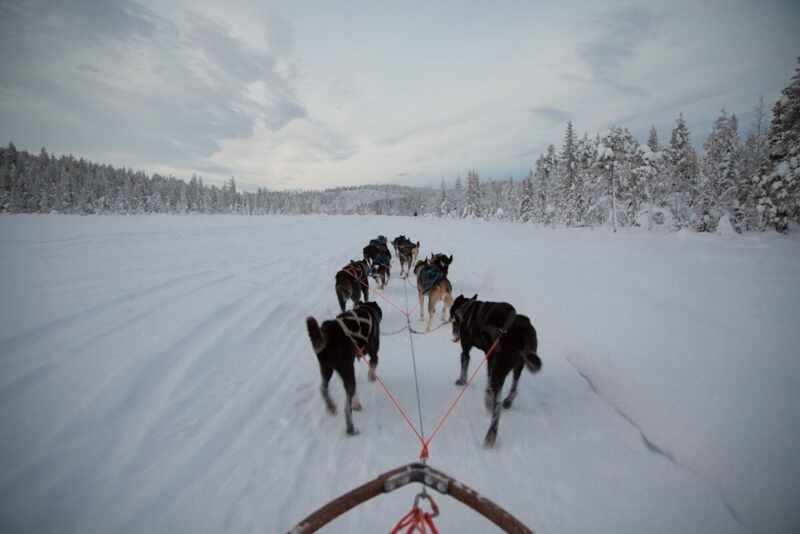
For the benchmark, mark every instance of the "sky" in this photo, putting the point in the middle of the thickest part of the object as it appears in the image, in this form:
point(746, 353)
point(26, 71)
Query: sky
point(301, 95)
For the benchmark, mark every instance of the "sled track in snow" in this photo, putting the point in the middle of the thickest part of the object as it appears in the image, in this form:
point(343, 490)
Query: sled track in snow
point(653, 447)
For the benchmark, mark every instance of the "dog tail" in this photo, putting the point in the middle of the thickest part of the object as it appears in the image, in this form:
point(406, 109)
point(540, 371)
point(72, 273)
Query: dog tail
point(533, 362)
point(317, 337)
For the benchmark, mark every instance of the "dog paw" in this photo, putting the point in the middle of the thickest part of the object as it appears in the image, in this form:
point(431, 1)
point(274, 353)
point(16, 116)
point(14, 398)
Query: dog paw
point(331, 408)
point(371, 374)
point(356, 405)
point(507, 404)
point(461, 382)
point(490, 439)
point(353, 431)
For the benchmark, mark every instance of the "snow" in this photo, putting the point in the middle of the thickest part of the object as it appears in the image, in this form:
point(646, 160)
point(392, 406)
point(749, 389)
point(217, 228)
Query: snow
point(604, 152)
point(725, 228)
point(156, 376)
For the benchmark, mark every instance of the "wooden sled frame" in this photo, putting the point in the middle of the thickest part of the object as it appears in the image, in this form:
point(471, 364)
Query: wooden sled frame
point(402, 476)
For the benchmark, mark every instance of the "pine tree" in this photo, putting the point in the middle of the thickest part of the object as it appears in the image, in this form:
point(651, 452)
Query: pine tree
point(648, 172)
point(444, 208)
point(472, 207)
point(549, 185)
point(681, 164)
point(527, 201)
point(542, 188)
point(568, 186)
point(510, 206)
point(618, 156)
point(779, 183)
point(755, 156)
point(494, 202)
point(587, 154)
point(718, 194)
point(652, 140)
point(659, 182)
point(458, 197)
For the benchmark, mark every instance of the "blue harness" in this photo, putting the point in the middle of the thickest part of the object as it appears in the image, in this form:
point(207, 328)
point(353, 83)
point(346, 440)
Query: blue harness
point(430, 276)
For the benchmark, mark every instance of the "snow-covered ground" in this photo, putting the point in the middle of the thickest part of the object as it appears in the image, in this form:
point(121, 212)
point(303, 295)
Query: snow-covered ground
point(156, 376)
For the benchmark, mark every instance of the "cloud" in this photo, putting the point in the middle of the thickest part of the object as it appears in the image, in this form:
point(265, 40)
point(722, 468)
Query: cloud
point(623, 31)
point(102, 78)
point(300, 96)
point(552, 114)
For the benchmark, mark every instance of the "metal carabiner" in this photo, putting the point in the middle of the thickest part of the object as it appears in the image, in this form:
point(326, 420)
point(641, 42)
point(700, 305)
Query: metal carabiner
point(424, 495)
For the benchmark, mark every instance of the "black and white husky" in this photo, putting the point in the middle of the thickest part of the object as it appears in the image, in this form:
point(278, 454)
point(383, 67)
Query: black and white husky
point(337, 342)
point(479, 324)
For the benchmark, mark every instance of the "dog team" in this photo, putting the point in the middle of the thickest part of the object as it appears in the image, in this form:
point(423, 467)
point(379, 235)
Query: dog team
point(356, 332)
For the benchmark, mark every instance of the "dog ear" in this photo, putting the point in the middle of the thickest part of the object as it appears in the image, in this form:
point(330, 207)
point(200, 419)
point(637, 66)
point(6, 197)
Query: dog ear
point(450, 260)
point(475, 296)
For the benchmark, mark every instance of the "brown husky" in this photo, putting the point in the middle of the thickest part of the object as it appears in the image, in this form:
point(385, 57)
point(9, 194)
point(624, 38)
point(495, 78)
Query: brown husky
point(432, 281)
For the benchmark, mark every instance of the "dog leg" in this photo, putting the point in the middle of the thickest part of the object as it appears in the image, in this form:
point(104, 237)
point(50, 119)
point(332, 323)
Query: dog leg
point(326, 373)
point(491, 397)
point(348, 416)
point(488, 399)
point(431, 311)
point(491, 434)
point(513, 393)
point(421, 306)
point(462, 379)
point(373, 365)
point(448, 303)
point(341, 299)
point(355, 403)
point(349, 379)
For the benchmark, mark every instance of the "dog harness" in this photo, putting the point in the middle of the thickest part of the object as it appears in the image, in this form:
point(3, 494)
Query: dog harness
point(355, 269)
point(357, 334)
point(429, 276)
point(468, 314)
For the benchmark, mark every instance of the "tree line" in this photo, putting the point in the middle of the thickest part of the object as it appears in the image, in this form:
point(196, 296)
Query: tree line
point(612, 179)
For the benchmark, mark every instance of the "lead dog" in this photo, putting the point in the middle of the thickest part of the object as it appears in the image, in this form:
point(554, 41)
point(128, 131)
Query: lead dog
point(336, 344)
point(481, 324)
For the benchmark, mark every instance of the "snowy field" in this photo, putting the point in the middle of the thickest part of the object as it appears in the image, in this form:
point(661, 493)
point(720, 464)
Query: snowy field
point(156, 376)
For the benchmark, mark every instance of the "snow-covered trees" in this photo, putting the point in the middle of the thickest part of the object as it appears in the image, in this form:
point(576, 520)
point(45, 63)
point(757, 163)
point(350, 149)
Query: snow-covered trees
point(42, 183)
point(527, 200)
point(569, 191)
point(680, 159)
point(472, 204)
point(587, 180)
point(617, 157)
point(546, 171)
point(778, 186)
point(754, 157)
point(718, 186)
point(444, 206)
